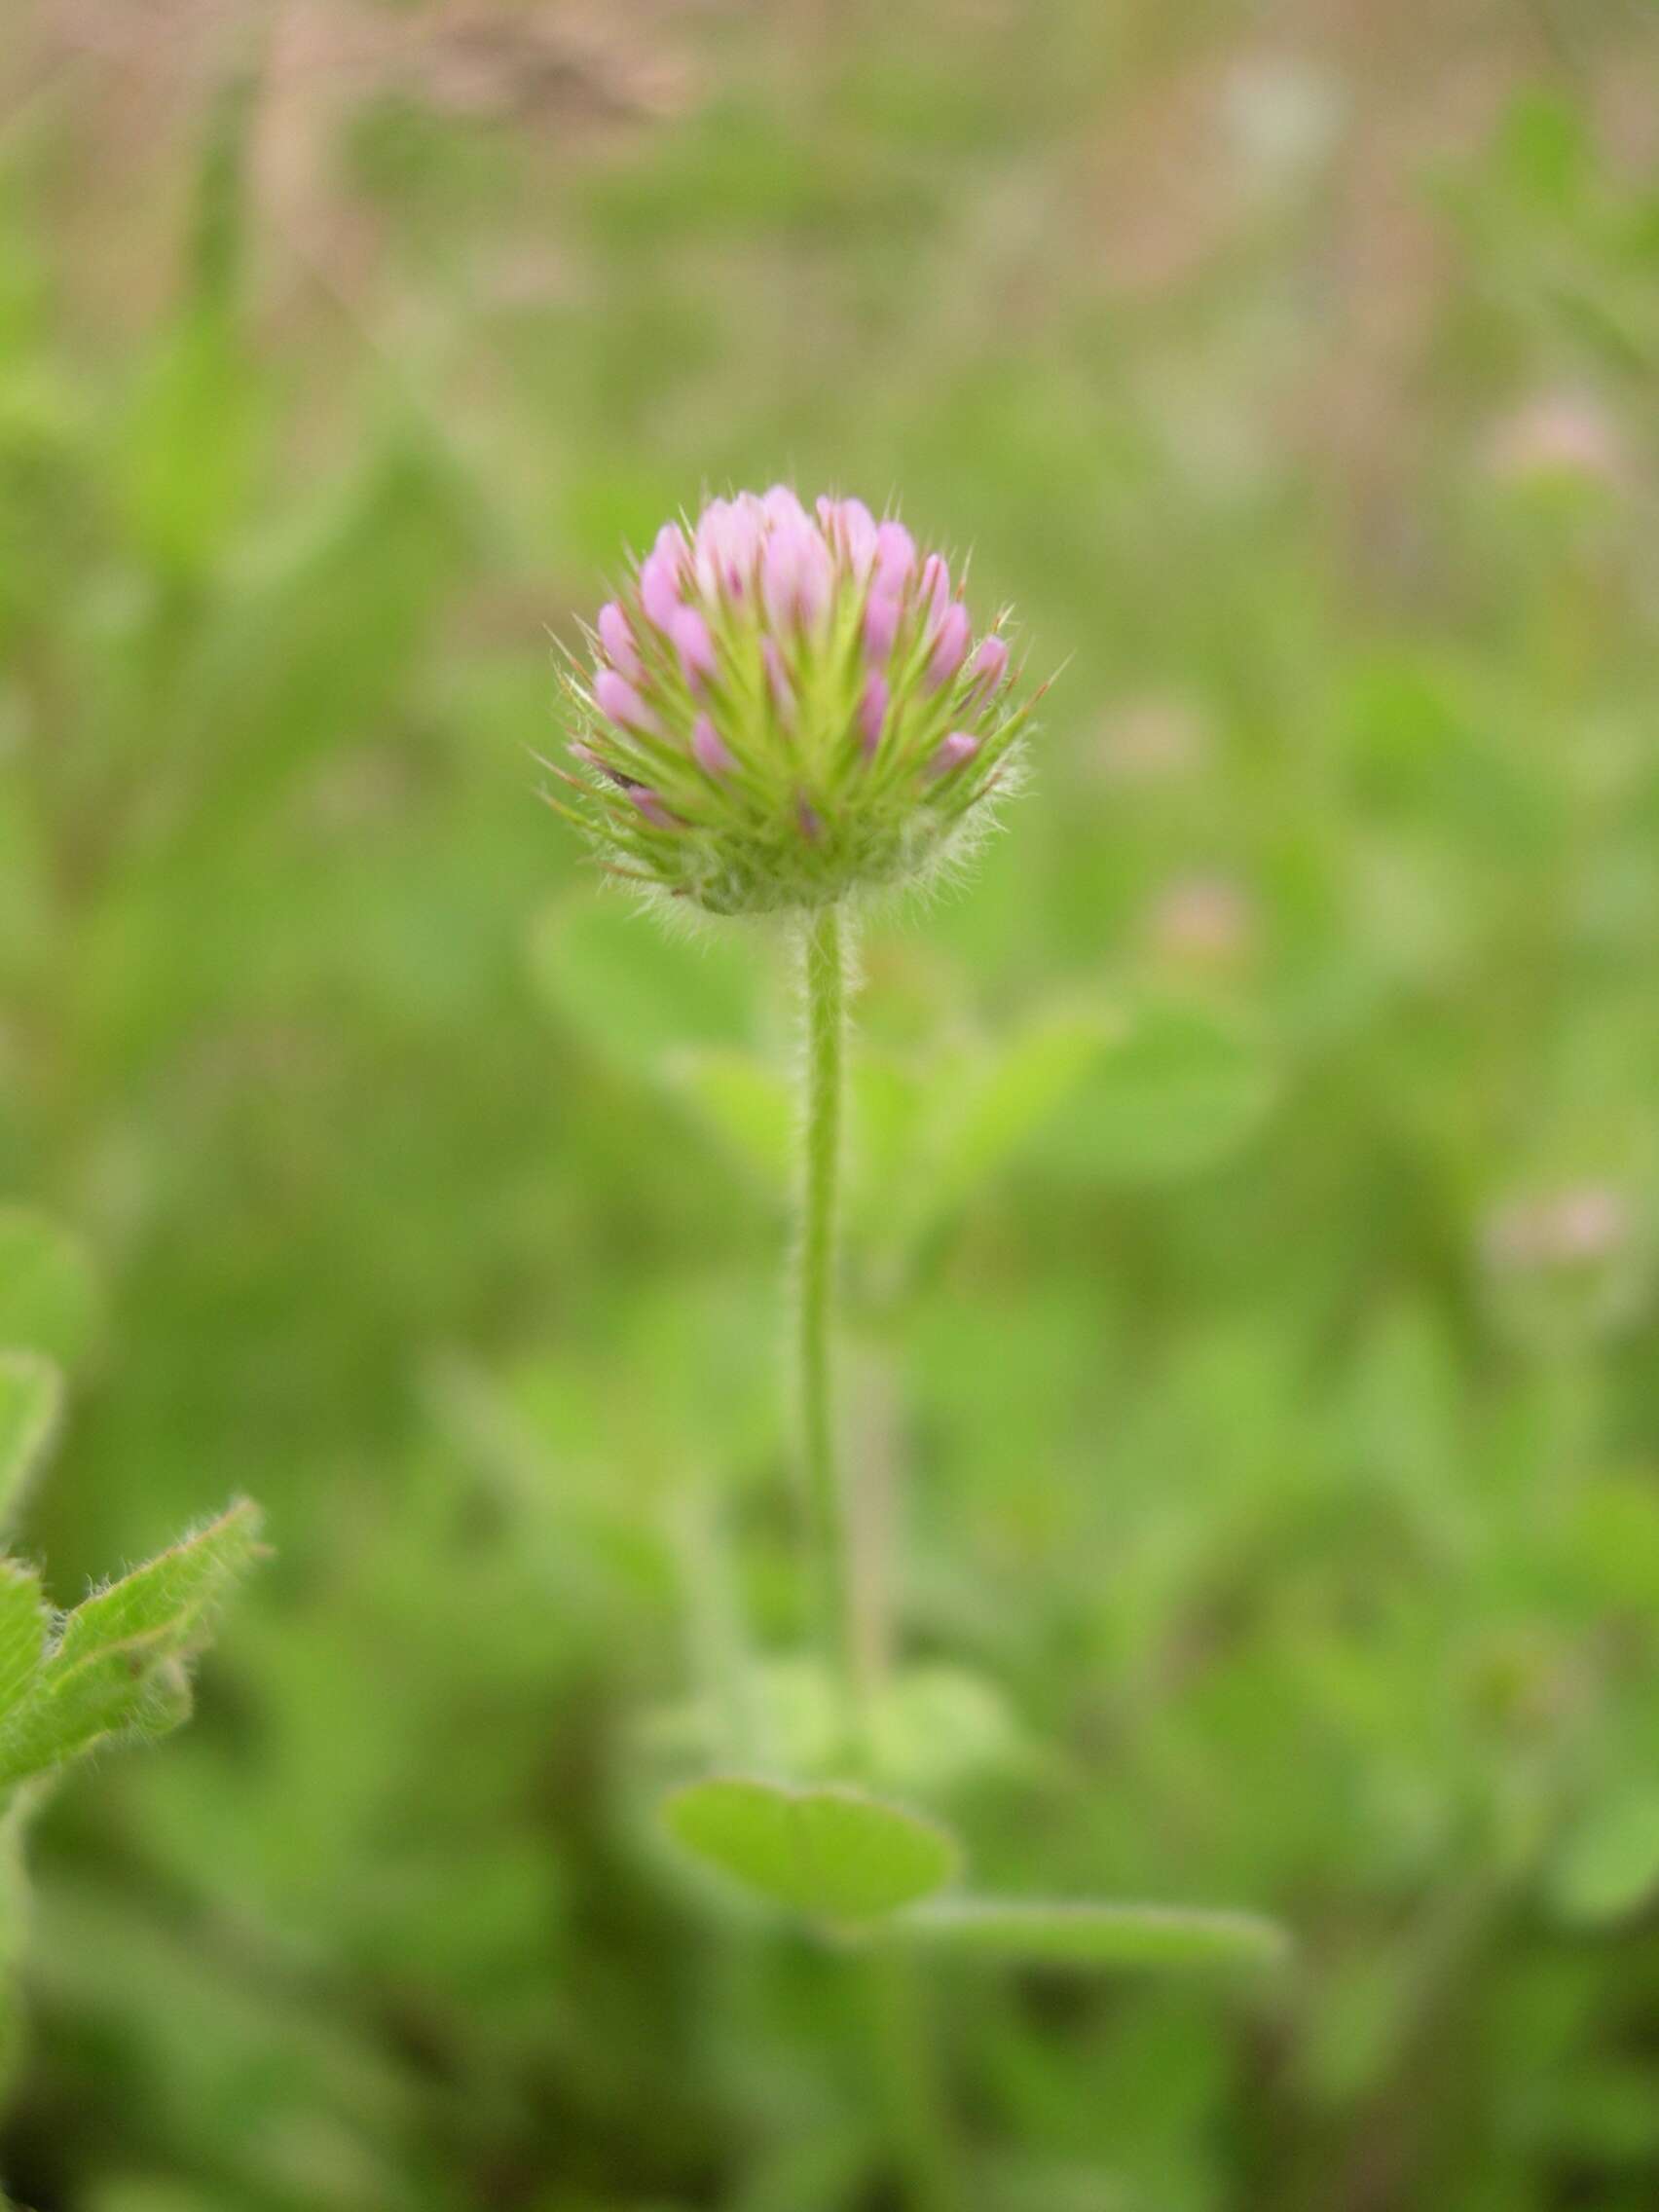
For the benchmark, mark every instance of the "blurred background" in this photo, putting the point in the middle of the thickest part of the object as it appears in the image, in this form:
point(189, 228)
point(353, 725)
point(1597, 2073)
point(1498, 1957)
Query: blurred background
point(1257, 1165)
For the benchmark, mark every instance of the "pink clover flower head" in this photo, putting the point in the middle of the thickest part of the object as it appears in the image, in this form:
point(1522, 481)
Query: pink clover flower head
point(788, 707)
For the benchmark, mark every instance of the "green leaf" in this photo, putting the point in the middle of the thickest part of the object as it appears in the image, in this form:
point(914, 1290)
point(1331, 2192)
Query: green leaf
point(48, 1293)
point(23, 1625)
point(1090, 1936)
point(744, 1102)
point(1015, 1094)
point(1610, 1866)
point(116, 1663)
point(833, 1852)
point(170, 1594)
point(634, 993)
point(31, 1401)
point(1184, 1087)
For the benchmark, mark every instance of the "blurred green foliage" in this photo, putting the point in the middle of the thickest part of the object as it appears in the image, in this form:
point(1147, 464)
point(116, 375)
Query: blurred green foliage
point(1257, 1169)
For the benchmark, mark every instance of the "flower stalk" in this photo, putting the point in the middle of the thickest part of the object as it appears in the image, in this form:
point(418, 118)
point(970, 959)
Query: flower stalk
point(830, 1506)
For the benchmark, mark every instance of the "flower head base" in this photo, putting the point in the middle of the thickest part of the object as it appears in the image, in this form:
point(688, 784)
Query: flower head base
point(786, 708)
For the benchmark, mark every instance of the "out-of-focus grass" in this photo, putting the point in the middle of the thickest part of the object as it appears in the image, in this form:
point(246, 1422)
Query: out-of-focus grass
point(1257, 1170)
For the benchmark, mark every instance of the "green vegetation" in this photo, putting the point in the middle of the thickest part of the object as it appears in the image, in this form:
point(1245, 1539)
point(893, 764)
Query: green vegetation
point(1253, 1183)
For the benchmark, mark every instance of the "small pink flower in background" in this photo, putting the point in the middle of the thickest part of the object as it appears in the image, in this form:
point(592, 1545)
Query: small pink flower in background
point(1557, 436)
point(1573, 1227)
point(1563, 1264)
point(1154, 740)
point(1202, 921)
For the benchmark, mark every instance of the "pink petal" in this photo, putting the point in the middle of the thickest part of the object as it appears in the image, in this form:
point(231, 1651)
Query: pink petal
point(778, 677)
point(850, 527)
point(659, 588)
point(650, 806)
point(797, 575)
point(783, 508)
point(872, 711)
point(729, 536)
point(619, 699)
point(881, 621)
point(712, 753)
point(895, 557)
point(935, 586)
point(951, 646)
point(953, 751)
point(617, 636)
point(694, 644)
point(990, 666)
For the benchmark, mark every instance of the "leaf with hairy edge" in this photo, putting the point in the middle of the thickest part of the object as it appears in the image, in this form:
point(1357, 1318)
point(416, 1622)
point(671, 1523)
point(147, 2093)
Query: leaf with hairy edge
point(833, 1852)
point(23, 1625)
point(116, 1663)
point(31, 1401)
point(1095, 1937)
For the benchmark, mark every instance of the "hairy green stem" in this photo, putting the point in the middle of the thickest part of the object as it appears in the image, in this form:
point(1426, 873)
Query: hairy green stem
point(900, 2032)
point(829, 1506)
